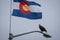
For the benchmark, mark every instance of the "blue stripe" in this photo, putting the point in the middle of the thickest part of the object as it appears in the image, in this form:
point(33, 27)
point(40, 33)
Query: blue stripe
point(33, 3)
point(33, 15)
point(18, 0)
point(30, 2)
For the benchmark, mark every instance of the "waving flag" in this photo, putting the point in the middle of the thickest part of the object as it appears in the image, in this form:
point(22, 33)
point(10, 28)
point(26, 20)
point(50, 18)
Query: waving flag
point(24, 10)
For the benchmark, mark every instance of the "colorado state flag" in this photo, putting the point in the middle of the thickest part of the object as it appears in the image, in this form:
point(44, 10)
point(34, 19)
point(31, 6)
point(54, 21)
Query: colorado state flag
point(24, 10)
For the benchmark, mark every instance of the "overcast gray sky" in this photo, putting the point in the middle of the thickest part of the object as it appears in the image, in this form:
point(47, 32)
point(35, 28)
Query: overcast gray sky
point(50, 20)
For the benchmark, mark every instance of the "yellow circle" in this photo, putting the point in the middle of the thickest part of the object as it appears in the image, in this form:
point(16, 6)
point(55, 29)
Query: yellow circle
point(26, 7)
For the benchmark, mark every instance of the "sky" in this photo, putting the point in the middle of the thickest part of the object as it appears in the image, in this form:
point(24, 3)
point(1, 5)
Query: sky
point(50, 20)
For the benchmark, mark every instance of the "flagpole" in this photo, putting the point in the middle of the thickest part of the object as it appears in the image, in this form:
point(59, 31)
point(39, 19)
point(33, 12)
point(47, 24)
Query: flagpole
point(10, 34)
point(10, 16)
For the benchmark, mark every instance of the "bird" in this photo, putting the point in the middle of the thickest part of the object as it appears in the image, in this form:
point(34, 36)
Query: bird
point(42, 28)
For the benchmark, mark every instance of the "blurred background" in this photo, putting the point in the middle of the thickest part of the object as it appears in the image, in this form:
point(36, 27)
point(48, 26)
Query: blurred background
point(50, 20)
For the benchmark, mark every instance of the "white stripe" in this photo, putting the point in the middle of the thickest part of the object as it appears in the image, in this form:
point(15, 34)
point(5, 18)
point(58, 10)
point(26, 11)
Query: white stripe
point(15, 5)
point(34, 8)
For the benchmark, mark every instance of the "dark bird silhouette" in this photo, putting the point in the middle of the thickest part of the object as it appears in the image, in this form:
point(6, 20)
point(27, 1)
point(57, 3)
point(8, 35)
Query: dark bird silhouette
point(42, 28)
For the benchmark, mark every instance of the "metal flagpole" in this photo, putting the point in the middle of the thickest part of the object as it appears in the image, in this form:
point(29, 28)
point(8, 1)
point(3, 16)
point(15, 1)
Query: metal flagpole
point(10, 34)
point(10, 16)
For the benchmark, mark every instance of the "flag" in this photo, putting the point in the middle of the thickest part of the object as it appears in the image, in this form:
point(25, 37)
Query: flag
point(24, 10)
